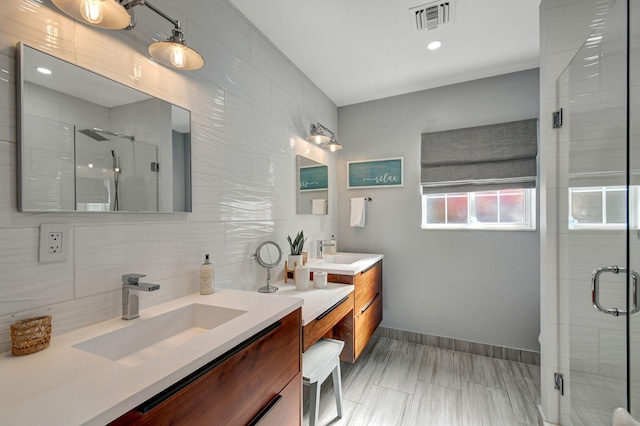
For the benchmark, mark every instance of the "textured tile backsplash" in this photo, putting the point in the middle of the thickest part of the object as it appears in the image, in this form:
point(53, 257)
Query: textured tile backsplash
point(246, 104)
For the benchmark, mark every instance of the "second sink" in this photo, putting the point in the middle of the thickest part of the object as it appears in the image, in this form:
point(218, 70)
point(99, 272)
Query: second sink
point(144, 339)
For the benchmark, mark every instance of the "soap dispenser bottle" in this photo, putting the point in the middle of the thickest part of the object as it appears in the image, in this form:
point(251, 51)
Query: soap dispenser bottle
point(333, 248)
point(207, 276)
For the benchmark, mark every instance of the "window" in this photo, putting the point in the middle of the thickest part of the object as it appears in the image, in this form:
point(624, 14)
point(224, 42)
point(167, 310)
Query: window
point(480, 177)
point(501, 209)
point(603, 207)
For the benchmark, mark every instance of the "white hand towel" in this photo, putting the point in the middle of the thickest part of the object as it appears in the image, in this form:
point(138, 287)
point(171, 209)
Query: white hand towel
point(318, 206)
point(357, 212)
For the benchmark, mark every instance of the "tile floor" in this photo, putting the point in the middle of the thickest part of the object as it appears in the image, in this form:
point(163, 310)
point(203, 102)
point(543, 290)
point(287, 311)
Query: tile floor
point(401, 383)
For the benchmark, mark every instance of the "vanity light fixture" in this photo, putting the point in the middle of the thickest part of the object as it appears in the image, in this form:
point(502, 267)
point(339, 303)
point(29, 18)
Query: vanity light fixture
point(118, 15)
point(108, 14)
point(319, 137)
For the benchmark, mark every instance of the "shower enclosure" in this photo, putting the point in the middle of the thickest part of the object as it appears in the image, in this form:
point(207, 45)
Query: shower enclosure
point(599, 226)
point(114, 172)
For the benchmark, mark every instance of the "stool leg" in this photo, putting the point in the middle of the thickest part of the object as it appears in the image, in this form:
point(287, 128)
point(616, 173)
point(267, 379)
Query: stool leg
point(337, 386)
point(314, 403)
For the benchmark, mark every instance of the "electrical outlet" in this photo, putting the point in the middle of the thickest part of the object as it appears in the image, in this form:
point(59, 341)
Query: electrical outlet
point(54, 242)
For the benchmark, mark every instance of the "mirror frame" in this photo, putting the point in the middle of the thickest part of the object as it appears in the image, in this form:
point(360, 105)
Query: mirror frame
point(20, 132)
point(300, 191)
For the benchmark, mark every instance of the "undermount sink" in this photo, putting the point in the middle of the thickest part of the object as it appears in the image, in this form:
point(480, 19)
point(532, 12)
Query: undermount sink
point(341, 259)
point(147, 338)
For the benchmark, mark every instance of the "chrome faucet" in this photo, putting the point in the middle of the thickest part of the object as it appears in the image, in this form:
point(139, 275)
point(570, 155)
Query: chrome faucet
point(319, 245)
point(130, 298)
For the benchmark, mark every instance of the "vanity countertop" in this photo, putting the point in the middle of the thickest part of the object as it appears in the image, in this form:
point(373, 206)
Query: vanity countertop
point(362, 261)
point(62, 385)
point(316, 300)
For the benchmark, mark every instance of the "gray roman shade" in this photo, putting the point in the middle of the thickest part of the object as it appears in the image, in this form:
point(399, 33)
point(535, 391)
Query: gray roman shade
point(483, 158)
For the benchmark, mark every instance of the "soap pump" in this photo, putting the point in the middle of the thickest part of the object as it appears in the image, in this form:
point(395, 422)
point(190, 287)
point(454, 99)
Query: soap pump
point(207, 276)
point(333, 248)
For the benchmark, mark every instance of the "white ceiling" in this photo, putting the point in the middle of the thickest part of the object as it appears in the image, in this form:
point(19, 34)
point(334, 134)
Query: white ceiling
point(361, 50)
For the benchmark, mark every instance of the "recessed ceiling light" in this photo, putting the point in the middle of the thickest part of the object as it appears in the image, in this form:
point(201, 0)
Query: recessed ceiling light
point(43, 70)
point(434, 45)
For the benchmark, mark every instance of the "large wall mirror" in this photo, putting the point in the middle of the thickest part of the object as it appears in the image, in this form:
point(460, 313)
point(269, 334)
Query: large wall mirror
point(313, 186)
point(88, 143)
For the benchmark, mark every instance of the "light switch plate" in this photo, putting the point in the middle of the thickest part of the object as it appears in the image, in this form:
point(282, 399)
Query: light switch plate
point(54, 243)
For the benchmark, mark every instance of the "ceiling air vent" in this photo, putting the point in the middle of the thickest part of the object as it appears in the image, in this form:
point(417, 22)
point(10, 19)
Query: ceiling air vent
point(431, 16)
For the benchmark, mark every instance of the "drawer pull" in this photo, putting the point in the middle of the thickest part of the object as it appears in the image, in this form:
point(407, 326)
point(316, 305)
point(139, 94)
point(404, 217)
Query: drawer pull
point(328, 311)
point(265, 411)
point(158, 399)
point(368, 305)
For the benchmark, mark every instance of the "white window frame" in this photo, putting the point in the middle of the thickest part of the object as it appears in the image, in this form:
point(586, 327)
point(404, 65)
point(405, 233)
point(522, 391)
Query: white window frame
point(633, 200)
point(529, 223)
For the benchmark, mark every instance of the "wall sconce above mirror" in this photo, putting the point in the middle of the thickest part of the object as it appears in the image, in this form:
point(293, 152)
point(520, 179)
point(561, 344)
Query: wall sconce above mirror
point(120, 15)
point(313, 186)
point(88, 143)
point(318, 135)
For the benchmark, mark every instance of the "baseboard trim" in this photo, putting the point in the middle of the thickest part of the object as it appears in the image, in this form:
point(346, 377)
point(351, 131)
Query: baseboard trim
point(509, 354)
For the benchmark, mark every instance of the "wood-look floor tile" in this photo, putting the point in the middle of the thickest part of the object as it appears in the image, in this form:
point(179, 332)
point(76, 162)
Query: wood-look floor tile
point(518, 369)
point(402, 366)
point(440, 367)
point(486, 405)
point(520, 397)
point(382, 407)
point(328, 413)
point(534, 390)
point(433, 405)
point(358, 377)
point(480, 370)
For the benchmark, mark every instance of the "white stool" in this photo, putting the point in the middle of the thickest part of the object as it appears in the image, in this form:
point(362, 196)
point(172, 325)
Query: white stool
point(320, 360)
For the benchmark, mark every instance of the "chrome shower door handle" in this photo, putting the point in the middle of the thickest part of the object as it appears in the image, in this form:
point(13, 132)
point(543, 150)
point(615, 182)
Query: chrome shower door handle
point(635, 306)
point(595, 291)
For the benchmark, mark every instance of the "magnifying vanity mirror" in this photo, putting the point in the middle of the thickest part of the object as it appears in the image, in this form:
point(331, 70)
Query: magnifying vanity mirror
point(313, 186)
point(268, 255)
point(88, 143)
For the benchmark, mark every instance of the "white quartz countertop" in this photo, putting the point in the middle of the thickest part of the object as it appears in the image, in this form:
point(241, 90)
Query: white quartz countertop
point(62, 385)
point(316, 300)
point(362, 262)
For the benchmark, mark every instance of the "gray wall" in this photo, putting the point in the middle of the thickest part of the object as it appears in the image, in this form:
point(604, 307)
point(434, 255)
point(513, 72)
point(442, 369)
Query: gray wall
point(480, 286)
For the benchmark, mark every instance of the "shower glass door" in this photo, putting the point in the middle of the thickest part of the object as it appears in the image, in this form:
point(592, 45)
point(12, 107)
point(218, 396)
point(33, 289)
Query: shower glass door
point(634, 211)
point(593, 223)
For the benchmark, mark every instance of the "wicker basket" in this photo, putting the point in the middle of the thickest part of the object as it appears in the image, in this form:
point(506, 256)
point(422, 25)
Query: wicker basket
point(30, 335)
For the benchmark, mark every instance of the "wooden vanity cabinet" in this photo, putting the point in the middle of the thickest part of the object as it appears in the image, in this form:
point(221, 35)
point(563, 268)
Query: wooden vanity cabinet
point(367, 310)
point(258, 381)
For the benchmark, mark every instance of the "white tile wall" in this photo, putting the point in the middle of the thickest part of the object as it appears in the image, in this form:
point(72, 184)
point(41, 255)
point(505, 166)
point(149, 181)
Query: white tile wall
point(245, 108)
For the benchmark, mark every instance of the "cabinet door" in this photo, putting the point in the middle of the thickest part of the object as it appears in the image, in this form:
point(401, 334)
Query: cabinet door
point(285, 409)
point(234, 391)
point(366, 322)
point(368, 284)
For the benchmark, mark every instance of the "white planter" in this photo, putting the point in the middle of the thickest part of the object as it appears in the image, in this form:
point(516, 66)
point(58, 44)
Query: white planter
point(294, 260)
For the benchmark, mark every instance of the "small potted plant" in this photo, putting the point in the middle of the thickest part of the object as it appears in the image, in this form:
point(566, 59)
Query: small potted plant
point(296, 246)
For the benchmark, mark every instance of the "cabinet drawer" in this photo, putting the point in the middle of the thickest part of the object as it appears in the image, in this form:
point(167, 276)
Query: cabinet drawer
point(285, 409)
point(368, 284)
point(366, 322)
point(317, 328)
point(233, 389)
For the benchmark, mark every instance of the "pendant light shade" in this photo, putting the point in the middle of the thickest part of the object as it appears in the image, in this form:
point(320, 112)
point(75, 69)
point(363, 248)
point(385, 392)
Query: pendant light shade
point(317, 135)
point(109, 14)
point(175, 53)
point(333, 145)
